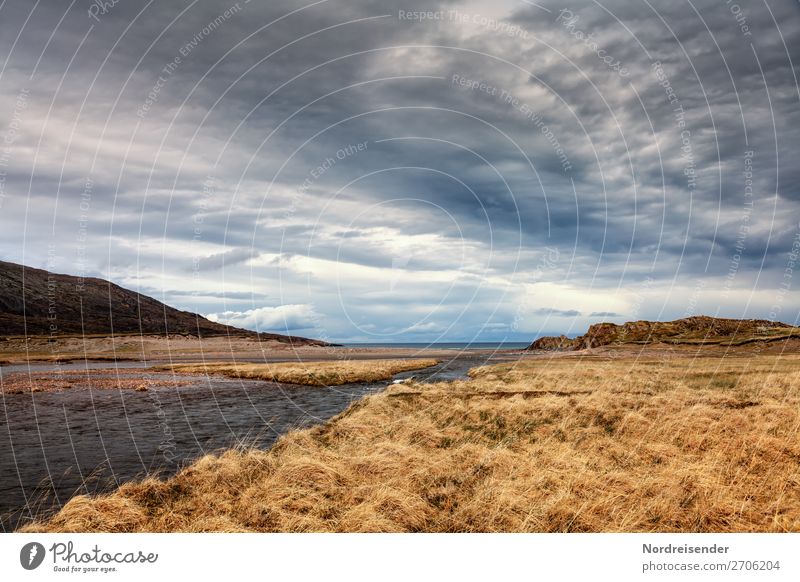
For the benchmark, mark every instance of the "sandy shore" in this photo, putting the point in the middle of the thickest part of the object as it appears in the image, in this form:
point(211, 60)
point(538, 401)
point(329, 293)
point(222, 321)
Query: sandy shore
point(192, 349)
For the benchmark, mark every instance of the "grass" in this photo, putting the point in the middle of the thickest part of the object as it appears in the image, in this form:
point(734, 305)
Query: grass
point(334, 373)
point(548, 445)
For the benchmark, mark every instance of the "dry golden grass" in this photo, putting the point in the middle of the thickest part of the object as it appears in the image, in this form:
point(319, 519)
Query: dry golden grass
point(334, 373)
point(679, 444)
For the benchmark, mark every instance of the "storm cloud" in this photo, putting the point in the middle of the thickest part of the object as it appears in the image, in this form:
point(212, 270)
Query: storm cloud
point(369, 171)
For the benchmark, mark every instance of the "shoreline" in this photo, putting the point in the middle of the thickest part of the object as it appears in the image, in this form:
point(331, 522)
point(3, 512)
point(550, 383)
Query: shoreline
point(40, 349)
point(161, 409)
point(501, 409)
point(636, 434)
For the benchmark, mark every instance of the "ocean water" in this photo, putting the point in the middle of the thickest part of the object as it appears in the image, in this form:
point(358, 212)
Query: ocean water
point(445, 345)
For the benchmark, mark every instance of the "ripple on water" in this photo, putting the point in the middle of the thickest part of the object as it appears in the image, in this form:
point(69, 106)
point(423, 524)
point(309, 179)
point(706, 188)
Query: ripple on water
point(58, 444)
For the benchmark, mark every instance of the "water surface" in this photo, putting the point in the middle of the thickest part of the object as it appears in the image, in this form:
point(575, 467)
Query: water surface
point(54, 445)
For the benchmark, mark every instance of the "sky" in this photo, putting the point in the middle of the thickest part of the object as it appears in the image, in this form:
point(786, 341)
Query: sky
point(376, 171)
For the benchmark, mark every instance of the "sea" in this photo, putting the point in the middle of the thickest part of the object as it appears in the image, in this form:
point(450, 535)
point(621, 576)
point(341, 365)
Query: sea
point(445, 345)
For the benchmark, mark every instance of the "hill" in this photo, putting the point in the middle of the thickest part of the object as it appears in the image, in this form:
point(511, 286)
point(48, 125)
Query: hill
point(35, 302)
point(698, 330)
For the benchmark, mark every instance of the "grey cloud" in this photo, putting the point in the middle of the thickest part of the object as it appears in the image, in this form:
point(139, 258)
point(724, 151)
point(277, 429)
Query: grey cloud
point(633, 215)
point(549, 311)
point(229, 258)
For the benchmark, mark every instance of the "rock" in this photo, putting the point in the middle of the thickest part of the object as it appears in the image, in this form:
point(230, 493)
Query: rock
point(699, 329)
point(561, 342)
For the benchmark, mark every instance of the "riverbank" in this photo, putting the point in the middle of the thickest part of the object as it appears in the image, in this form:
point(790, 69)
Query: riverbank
point(608, 444)
point(89, 379)
point(307, 373)
point(87, 427)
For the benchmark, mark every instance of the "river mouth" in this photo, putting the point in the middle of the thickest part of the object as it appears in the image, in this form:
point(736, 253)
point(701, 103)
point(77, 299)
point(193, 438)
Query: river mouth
point(54, 445)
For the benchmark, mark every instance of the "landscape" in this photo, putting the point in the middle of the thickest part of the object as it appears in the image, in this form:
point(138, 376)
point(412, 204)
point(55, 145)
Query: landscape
point(689, 425)
point(366, 267)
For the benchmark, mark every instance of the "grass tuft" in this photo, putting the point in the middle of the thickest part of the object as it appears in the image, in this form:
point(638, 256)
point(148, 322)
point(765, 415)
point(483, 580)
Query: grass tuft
point(308, 373)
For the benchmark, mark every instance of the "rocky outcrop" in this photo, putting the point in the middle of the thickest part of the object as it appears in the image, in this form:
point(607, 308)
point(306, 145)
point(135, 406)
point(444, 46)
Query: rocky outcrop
point(696, 330)
point(560, 342)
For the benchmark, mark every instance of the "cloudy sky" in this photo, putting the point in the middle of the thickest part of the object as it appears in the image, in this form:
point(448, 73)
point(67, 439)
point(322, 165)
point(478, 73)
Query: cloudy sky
point(378, 171)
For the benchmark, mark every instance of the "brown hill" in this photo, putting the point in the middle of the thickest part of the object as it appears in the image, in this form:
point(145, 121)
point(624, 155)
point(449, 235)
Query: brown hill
point(698, 330)
point(36, 302)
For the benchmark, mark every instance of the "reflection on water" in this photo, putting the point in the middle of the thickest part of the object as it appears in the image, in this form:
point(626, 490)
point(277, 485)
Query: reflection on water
point(54, 445)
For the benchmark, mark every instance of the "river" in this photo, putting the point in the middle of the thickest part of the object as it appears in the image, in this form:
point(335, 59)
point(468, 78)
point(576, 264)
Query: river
point(54, 445)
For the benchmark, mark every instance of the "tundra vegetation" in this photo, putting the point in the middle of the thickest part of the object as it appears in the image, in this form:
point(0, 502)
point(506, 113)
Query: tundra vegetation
point(549, 444)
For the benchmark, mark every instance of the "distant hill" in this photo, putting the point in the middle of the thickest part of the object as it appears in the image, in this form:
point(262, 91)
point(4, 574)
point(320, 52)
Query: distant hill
point(37, 302)
point(699, 330)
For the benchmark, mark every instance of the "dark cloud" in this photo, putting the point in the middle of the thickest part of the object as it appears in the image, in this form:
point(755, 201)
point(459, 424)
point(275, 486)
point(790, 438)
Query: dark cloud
point(322, 156)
